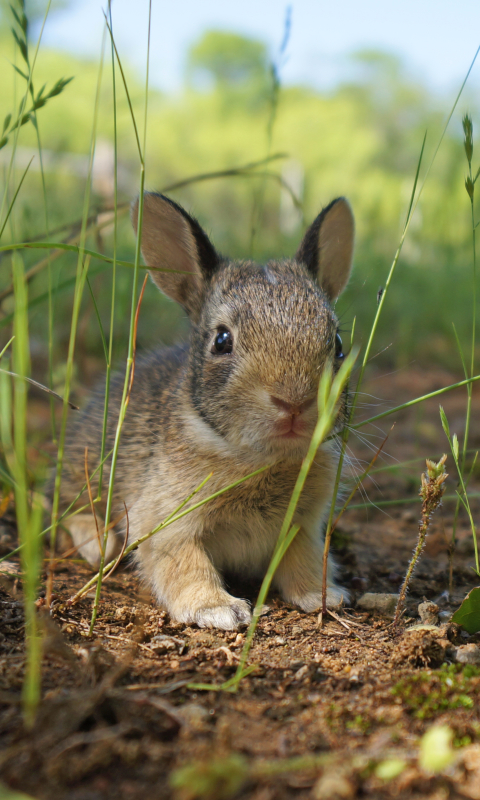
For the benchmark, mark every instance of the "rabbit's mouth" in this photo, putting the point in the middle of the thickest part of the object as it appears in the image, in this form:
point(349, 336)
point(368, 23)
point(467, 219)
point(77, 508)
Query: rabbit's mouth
point(291, 428)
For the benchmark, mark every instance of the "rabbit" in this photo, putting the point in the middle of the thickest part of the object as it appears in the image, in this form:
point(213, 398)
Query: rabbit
point(239, 396)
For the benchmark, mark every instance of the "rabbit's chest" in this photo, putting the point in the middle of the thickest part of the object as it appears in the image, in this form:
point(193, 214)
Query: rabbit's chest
point(242, 530)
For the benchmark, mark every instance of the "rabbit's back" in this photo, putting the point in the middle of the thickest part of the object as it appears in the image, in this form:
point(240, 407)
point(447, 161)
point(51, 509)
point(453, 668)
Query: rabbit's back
point(149, 413)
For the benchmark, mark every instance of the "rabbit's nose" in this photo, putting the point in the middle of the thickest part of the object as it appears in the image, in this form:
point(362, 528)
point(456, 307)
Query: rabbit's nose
point(292, 409)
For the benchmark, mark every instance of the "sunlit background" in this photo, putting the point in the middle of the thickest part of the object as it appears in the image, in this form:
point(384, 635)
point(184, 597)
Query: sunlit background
point(344, 95)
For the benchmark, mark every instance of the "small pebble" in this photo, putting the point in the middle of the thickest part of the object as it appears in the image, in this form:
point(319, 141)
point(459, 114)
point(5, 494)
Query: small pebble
point(301, 673)
point(382, 602)
point(428, 613)
point(333, 787)
point(193, 714)
point(445, 615)
point(468, 654)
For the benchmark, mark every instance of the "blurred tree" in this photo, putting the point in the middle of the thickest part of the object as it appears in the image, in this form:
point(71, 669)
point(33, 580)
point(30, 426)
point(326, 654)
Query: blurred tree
point(224, 60)
point(34, 10)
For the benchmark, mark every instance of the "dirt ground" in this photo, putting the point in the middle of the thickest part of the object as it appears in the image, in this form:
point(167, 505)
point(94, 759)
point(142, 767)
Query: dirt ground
point(329, 709)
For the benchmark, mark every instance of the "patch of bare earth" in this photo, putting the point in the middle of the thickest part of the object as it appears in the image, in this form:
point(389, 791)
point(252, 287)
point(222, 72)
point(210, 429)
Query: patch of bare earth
point(327, 702)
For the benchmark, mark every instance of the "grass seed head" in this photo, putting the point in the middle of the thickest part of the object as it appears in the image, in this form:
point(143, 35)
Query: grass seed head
point(433, 484)
point(468, 137)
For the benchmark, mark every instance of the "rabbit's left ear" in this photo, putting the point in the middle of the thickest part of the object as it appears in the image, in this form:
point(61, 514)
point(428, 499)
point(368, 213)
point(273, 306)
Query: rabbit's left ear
point(327, 247)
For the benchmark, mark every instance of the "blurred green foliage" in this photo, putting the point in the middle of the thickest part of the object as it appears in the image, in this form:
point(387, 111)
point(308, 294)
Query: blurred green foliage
point(361, 140)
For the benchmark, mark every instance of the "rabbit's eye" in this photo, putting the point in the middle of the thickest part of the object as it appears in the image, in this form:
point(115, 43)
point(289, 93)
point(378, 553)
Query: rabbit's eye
point(223, 342)
point(338, 347)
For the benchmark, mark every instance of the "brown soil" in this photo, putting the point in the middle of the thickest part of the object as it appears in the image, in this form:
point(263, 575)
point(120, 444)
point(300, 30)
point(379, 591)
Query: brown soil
point(325, 705)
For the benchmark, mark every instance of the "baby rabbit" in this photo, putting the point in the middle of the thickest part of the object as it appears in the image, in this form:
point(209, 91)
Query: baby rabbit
point(239, 396)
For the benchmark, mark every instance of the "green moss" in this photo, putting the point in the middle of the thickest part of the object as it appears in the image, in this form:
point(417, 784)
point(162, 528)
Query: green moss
point(431, 692)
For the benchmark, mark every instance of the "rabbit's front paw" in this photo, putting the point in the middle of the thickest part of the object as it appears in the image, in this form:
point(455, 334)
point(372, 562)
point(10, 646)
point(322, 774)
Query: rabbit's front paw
point(227, 617)
point(312, 601)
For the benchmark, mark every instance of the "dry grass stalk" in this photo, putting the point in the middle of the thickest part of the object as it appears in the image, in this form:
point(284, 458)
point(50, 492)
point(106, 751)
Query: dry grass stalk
point(431, 492)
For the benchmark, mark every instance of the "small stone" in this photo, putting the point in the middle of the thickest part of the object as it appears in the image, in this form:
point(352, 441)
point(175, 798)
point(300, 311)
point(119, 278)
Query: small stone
point(444, 616)
point(428, 612)
point(333, 787)
point(194, 715)
point(383, 602)
point(301, 673)
point(422, 626)
point(468, 654)
point(161, 643)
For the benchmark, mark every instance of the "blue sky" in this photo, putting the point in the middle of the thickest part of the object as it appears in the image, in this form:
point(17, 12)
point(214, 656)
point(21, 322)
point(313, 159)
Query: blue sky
point(436, 38)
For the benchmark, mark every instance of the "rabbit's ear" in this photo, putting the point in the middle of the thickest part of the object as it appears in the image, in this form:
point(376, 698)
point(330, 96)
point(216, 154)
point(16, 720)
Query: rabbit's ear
point(327, 247)
point(172, 240)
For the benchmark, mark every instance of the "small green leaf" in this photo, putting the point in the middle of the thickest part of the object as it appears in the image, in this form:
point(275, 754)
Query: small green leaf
point(455, 446)
point(6, 122)
point(445, 424)
point(20, 72)
point(219, 777)
point(21, 19)
point(468, 140)
point(469, 186)
point(3, 141)
point(22, 46)
point(59, 86)
point(436, 751)
point(390, 768)
point(468, 615)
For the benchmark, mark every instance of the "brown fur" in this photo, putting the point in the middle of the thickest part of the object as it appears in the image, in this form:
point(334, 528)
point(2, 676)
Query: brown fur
point(193, 412)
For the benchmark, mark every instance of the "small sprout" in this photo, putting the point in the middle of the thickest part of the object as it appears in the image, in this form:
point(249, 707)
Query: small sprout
point(212, 780)
point(390, 768)
point(437, 470)
point(433, 480)
point(436, 751)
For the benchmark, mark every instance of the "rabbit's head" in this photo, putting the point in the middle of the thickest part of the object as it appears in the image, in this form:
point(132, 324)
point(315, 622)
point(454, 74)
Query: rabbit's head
point(261, 335)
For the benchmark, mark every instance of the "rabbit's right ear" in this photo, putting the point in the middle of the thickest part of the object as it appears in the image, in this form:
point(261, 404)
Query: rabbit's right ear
point(175, 242)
